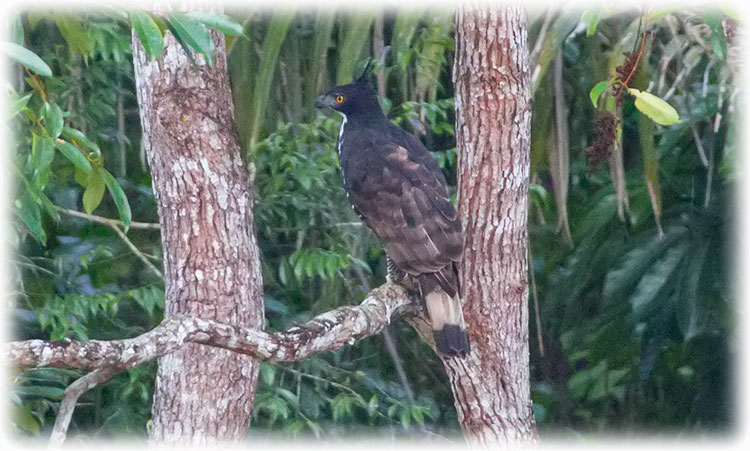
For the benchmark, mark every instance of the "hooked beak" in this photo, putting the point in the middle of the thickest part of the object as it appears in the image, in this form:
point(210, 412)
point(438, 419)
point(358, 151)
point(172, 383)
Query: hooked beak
point(324, 101)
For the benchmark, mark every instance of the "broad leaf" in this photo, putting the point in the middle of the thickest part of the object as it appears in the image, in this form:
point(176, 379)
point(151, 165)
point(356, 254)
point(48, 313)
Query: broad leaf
point(74, 155)
point(597, 91)
point(30, 214)
point(591, 18)
point(118, 195)
point(18, 104)
point(194, 34)
point(53, 119)
point(42, 153)
point(27, 58)
point(75, 34)
point(94, 192)
point(655, 108)
point(218, 21)
point(149, 33)
point(657, 281)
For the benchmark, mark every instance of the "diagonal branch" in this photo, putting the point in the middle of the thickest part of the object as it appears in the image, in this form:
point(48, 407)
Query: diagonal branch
point(68, 404)
point(326, 332)
point(115, 225)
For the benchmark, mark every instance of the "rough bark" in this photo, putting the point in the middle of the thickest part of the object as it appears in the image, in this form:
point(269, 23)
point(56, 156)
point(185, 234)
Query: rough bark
point(493, 124)
point(326, 332)
point(211, 265)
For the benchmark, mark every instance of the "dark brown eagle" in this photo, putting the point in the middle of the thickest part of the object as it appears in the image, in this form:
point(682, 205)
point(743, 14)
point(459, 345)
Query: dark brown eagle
point(398, 190)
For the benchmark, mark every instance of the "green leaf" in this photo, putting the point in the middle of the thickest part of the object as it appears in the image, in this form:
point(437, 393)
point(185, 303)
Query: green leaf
point(597, 91)
point(269, 61)
point(24, 419)
point(94, 192)
point(75, 34)
point(42, 153)
point(405, 418)
point(16, 29)
point(18, 104)
point(650, 158)
point(718, 39)
point(78, 137)
point(194, 34)
point(656, 281)
point(74, 155)
point(357, 32)
point(591, 18)
point(27, 58)
point(31, 215)
point(690, 311)
point(53, 119)
point(636, 262)
point(149, 33)
point(655, 108)
point(218, 21)
point(40, 390)
point(118, 195)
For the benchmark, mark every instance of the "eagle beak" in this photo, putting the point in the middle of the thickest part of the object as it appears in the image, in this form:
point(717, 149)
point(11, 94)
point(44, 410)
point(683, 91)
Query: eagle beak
point(324, 101)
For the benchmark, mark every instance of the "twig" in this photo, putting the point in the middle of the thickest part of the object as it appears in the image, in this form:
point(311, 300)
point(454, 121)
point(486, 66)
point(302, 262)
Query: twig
point(537, 315)
point(136, 251)
point(637, 60)
point(109, 221)
point(68, 404)
point(115, 225)
point(534, 56)
point(699, 146)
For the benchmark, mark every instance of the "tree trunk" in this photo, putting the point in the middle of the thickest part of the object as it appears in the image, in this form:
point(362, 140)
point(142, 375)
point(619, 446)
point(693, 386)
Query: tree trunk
point(493, 125)
point(212, 270)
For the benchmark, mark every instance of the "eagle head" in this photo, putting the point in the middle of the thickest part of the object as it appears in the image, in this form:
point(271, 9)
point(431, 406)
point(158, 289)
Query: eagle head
point(352, 99)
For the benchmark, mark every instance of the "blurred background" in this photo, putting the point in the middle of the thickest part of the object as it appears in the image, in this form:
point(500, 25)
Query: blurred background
point(631, 306)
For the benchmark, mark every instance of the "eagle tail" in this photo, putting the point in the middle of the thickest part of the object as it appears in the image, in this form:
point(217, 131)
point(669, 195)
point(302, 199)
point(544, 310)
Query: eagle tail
point(448, 327)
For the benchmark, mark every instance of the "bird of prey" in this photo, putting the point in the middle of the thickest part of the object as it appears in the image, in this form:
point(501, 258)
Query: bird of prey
point(399, 191)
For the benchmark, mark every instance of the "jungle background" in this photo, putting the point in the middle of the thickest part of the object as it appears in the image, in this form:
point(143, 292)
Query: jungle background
point(632, 314)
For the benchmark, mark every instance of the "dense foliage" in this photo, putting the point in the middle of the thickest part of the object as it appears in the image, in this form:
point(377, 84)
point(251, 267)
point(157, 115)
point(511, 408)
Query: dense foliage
point(630, 221)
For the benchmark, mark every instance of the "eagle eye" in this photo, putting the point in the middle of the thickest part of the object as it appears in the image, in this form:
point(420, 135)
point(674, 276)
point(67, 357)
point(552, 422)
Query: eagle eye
point(339, 99)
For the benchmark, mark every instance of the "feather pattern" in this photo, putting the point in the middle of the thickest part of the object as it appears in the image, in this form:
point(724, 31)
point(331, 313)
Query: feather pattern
point(399, 191)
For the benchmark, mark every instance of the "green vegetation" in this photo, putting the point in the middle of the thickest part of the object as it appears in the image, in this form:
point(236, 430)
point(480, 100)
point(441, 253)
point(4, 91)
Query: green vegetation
point(630, 218)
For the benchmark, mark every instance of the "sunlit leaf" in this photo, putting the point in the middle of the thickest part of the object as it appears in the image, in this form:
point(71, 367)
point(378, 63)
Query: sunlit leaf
point(591, 18)
point(597, 91)
point(94, 192)
point(74, 155)
point(657, 109)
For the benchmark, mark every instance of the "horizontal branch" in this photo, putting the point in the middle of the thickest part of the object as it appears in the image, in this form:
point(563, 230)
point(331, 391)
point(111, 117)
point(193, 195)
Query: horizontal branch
point(326, 332)
point(109, 221)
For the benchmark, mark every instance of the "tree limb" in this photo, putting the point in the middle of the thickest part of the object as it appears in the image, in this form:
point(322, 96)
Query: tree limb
point(326, 332)
point(68, 404)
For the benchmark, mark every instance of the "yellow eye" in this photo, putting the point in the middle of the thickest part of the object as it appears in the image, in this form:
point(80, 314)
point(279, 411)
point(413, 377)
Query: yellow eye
point(339, 99)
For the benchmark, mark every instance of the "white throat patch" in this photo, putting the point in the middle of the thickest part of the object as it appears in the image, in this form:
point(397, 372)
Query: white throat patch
point(341, 134)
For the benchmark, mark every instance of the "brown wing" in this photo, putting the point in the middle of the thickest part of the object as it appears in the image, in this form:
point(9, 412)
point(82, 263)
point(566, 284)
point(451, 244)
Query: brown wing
point(403, 199)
